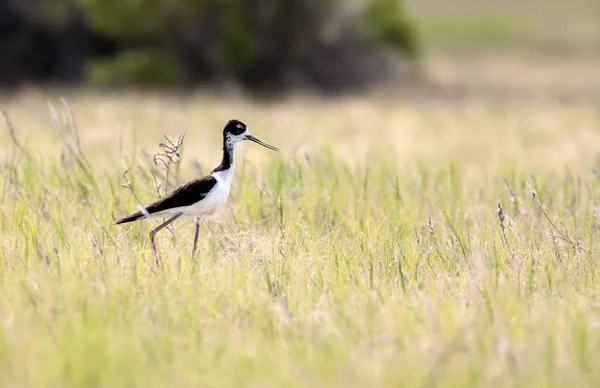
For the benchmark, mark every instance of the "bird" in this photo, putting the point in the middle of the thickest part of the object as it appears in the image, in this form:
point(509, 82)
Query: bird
point(202, 196)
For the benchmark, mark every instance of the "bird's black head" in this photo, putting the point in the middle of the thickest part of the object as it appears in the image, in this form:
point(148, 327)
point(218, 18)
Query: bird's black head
point(235, 132)
point(235, 128)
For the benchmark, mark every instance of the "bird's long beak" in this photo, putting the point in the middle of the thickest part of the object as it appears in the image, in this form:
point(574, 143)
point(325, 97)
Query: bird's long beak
point(252, 138)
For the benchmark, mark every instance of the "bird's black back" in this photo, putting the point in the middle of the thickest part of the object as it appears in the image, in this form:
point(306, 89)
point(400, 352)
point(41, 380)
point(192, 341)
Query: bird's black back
point(185, 195)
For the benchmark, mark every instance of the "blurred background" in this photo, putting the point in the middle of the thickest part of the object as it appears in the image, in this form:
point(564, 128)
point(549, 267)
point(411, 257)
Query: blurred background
point(273, 46)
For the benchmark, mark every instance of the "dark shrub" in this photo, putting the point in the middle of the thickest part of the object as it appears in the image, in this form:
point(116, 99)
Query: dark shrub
point(257, 44)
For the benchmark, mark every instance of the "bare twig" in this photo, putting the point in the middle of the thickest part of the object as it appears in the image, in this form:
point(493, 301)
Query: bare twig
point(164, 160)
point(157, 184)
point(539, 204)
point(75, 129)
point(169, 157)
point(11, 131)
point(11, 173)
point(431, 231)
point(264, 190)
point(42, 256)
point(501, 217)
point(556, 250)
point(68, 130)
point(94, 241)
point(514, 202)
point(129, 185)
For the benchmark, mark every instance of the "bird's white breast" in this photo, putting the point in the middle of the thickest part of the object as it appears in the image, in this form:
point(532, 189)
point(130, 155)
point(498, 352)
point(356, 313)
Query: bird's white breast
point(217, 197)
point(214, 200)
point(224, 179)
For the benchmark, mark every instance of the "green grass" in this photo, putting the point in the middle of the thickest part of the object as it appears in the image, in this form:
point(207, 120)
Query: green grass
point(484, 29)
point(509, 24)
point(376, 260)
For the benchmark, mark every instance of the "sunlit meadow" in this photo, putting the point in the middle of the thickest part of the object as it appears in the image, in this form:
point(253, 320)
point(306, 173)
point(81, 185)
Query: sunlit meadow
point(435, 239)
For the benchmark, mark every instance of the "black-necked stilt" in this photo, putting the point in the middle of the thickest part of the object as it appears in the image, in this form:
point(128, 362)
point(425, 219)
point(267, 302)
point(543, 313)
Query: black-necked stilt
point(202, 196)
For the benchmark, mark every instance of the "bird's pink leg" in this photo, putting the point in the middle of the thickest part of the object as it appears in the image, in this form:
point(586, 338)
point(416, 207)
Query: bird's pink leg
point(198, 222)
point(158, 229)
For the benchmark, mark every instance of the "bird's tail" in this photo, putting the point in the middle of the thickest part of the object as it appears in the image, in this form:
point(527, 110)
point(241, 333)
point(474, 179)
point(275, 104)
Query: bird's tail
point(133, 217)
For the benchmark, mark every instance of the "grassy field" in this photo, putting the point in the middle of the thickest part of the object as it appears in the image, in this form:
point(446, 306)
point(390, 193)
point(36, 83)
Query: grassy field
point(543, 25)
point(369, 252)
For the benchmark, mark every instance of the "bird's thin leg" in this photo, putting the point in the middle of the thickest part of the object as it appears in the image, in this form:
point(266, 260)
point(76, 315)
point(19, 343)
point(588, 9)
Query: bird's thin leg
point(198, 222)
point(158, 229)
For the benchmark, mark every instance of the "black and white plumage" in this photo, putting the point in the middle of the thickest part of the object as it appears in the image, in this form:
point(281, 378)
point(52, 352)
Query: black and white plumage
point(202, 196)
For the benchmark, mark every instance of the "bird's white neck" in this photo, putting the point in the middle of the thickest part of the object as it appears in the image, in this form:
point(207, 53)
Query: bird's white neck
point(229, 145)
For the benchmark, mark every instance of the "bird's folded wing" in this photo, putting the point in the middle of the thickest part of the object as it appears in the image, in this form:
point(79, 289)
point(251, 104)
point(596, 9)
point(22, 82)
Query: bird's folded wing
point(185, 195)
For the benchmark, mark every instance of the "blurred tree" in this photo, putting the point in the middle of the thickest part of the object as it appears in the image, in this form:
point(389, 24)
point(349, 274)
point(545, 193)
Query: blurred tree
point(259, 44)
point(388, 22)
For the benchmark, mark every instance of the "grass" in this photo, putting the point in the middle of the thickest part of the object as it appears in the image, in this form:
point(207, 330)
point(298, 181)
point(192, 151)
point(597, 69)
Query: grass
point(369, 252)
point(527, 25)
